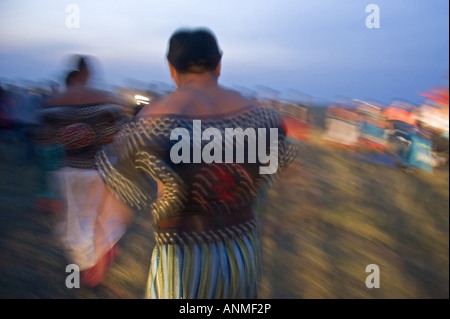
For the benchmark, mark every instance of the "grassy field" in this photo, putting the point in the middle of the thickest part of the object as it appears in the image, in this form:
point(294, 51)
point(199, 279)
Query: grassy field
point(327, 218)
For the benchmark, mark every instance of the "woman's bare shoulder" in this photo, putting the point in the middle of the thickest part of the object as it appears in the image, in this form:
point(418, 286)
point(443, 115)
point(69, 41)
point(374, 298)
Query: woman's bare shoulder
point(84, 95)
point(191, 102)
point(161, 106)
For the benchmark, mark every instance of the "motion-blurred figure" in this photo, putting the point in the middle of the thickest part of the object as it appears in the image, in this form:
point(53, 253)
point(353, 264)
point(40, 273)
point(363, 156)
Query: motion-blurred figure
point(5, 109)
point(81, 120)
point(18, 120)
point(206, 232)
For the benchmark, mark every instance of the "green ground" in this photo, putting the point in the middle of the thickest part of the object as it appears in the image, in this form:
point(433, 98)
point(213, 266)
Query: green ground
point(328, 217)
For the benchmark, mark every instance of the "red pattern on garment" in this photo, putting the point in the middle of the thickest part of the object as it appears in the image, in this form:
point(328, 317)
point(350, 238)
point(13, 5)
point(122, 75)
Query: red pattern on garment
point(78, 135)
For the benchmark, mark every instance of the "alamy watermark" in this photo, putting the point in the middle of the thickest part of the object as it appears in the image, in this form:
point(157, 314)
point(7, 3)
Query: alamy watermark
point(250, 141)
point(73, 19)
point(373, 19)
point(373, 280)
point(73, 279)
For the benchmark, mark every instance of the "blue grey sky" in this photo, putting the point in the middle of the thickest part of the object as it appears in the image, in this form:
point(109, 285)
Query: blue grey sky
point(321, 48)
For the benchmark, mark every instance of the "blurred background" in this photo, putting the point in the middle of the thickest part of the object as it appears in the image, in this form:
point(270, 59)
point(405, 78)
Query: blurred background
point(364, 93)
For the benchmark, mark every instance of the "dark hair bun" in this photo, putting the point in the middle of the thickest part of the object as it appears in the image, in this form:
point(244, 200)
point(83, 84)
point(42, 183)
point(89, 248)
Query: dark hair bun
point(193, 51)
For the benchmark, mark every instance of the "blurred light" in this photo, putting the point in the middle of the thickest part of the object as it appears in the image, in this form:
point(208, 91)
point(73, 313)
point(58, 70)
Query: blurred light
point(140, 99)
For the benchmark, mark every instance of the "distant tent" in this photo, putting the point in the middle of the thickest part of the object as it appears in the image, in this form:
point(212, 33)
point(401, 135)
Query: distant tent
point(438, 95)
point(296, 129)
point(434, 115)
point(399, 114)
point(296, 120)
point(434, 120)
point(373, 128)
point(342, 126)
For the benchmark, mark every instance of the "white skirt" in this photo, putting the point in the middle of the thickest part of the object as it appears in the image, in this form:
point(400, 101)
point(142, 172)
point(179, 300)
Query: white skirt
point(94, 218)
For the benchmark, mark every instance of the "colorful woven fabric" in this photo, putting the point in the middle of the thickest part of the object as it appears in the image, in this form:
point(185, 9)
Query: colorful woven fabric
point(82, 129)
point(207, 236)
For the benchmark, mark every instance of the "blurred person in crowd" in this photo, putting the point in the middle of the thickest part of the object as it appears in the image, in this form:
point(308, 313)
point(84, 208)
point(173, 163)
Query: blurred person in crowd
point(18, 119)
point(50, 156)
point(81, 120)
point(5, 108)
point(206, 230)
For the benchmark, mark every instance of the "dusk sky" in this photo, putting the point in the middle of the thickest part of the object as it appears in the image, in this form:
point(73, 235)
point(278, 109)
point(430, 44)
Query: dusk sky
point(322, 48)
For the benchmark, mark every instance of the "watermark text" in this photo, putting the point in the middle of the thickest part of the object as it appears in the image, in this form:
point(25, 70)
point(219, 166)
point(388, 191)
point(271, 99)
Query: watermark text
point(73, 19)
point(250, 143)
point(373, 19)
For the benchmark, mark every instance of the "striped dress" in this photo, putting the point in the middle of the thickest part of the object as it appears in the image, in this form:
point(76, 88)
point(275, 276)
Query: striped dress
point(207, 235)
